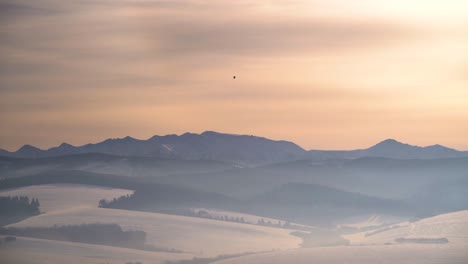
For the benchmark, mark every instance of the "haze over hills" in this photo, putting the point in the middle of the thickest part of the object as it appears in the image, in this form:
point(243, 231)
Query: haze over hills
point(132, 166)
point(349, 123)
point(241, 166)
point(168, 177)
point(239, 149)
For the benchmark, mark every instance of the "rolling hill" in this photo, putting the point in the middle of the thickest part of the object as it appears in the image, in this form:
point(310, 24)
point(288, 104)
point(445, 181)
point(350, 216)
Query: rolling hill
point(39, 251)
point(421, 245)
point(320, 205)
point(380, 177)
point(452, 226)
point(193, 235)
point(149, 167)
point(403, 254)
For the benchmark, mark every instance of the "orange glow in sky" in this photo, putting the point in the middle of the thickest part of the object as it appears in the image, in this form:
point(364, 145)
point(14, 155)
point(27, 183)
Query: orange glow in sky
point(332, 74)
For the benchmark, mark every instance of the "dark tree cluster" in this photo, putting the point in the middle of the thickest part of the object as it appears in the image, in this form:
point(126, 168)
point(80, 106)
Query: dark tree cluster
point(17, 208)
point(103, 234)
point(285, 225)
point(122, 202)
point(197, 260)
point(167, 199)
point(422, 240)
point(19, 204)
point(205, 214)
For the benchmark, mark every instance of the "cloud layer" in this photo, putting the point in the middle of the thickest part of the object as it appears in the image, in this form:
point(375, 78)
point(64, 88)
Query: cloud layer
point(326, 74)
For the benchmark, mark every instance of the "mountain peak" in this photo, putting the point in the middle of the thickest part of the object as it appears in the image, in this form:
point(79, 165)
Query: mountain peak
point(239, 148)
point(391, 148)
point(65, 145)
point(392, 145)
point(389, 141)
point(438, 146)
point(28, 148)
point(29, 151)
point(214, 133)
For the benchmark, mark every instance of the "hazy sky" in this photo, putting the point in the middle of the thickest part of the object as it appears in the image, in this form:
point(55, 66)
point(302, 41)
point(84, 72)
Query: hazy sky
point(326, 74)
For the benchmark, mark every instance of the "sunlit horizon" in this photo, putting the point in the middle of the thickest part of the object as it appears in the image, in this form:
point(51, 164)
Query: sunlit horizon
point(323, 74)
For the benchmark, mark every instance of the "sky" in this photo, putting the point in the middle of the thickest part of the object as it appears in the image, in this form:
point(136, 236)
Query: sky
point(325, 74)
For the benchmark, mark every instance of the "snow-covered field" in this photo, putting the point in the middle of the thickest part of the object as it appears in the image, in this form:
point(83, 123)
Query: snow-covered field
point(370, 221)
point(453, 226)
point(198, 236)
point(394, 254)
point(373, 248)
point(40, 251)
point(248, 218)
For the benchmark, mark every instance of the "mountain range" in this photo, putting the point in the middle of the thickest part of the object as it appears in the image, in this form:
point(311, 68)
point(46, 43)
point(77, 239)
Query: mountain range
point(238, 149)
point(255, 175)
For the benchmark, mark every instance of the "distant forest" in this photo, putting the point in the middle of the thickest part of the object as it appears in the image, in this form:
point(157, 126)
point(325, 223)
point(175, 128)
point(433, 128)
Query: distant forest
point(160, 195)
point(301, 203)
point(100, 234)
point(168, 199)
point(17, 208)
point(309, 204)
point(103, 234)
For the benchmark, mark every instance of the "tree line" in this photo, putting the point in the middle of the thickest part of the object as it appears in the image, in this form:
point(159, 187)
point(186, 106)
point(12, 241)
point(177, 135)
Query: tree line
point(17, 208)
point(103, 234)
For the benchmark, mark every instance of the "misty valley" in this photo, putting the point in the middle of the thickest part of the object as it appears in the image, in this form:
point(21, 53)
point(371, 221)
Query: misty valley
point(233, 132)
point(225, 198)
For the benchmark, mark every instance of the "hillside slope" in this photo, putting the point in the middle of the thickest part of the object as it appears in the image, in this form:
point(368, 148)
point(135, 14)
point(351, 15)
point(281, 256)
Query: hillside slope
point(39, 251)
point(452, 226)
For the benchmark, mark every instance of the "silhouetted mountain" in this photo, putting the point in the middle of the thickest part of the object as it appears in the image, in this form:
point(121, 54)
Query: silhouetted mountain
point(239, 149)
point(236, 148)
point(63, 149)
point(4, 152)
point(29, 151)
point(391, 148)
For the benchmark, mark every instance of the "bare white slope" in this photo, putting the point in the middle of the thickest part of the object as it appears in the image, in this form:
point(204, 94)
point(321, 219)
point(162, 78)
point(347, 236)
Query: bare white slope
point(394, 254)
point(202, 237)
point(369, 221)
point(56, 197)
point(248, 218)
point(453, 226)
point(39, 251)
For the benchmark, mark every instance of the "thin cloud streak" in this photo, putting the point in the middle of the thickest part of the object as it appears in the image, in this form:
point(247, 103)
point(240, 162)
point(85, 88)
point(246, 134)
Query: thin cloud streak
point(322, 73)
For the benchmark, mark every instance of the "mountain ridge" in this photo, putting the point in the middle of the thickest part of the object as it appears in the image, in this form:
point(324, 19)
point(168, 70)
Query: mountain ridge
point(391, 148)
point(241, 149)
